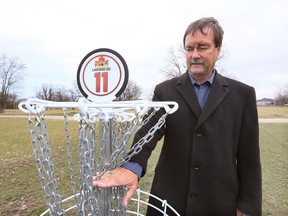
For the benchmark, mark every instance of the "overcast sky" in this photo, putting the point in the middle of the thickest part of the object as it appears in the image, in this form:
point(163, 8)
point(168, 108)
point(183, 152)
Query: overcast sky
point(52, 37)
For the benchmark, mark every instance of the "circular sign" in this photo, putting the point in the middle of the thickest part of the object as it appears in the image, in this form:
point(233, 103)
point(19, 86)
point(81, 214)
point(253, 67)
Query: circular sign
point(102, 75)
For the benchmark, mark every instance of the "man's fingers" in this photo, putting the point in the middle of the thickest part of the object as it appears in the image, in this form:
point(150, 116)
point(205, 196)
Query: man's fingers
point(118, 177)
point(104, 182)
point(129, 194)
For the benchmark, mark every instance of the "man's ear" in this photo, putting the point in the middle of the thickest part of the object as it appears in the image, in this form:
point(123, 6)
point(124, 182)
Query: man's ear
point(218, 52)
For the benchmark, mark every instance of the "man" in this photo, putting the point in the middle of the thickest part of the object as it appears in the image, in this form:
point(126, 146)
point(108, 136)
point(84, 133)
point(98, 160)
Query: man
point(210, 162)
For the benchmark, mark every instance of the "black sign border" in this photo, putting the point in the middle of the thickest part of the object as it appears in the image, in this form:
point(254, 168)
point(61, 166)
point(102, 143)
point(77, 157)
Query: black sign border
point(126, 79)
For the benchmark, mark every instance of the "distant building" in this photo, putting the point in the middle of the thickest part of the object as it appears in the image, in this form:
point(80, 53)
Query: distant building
point(265, 102)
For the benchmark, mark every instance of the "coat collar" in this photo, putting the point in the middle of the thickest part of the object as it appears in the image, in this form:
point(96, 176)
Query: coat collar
point(219, 90)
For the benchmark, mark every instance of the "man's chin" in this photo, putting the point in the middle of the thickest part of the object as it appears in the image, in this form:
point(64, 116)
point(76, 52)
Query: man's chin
point(196, 70)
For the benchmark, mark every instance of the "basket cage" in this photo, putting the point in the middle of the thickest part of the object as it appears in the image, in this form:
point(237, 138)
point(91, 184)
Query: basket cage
point(101, 143)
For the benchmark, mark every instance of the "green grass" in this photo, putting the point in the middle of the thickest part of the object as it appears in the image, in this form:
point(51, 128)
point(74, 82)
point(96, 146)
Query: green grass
point(274, 155)
point(21, 193)
point(273, 111)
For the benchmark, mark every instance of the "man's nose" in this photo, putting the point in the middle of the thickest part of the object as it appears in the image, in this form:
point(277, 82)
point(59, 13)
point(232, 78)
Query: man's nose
point(195, 54)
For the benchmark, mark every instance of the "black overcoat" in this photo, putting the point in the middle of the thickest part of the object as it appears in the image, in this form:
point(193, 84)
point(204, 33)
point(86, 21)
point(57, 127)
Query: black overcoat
point(209, 163)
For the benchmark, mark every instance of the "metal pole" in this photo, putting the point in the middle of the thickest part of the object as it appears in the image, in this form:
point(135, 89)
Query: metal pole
point(106, 137)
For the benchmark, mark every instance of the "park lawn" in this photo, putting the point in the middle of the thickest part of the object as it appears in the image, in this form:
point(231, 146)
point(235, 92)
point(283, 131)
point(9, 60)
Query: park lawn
point(274, 159)
point(21, 193)
point(272, 111)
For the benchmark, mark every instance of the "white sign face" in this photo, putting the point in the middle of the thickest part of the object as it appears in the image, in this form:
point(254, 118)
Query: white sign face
point(102, 75)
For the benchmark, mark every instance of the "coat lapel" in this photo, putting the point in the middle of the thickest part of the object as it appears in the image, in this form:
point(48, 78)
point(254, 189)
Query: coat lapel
point(217, 93)
point(219, 90)
point(185, 88)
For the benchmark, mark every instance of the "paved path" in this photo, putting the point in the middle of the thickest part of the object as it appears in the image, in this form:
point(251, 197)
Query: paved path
point(261, 120)
point(273, 120)
point(47, 117)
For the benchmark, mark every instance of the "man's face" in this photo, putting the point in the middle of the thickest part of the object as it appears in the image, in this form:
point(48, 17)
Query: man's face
point(201, 53)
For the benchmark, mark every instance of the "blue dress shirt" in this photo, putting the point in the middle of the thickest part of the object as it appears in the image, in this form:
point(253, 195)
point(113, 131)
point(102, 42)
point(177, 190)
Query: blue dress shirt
point(202, 91)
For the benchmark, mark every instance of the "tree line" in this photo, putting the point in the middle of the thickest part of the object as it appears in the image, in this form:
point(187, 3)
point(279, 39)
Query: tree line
point(13, 71)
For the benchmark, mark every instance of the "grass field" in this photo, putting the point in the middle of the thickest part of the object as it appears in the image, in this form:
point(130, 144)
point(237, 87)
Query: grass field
point(21, 193)
point(273, 112)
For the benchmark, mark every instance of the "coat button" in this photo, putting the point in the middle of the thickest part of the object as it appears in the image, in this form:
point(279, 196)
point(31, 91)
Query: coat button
point(196, 166)
point(199, 134)
point(193, 196)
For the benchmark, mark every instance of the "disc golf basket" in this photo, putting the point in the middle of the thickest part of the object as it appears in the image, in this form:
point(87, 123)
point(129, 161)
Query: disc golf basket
point(104, 130)
point(103, 144)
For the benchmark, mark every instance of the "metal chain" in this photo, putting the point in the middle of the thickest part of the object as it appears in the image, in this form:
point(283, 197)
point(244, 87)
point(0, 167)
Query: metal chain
point(130, 127)
point(119, 132)
point(88, 198)
point(70, 162)
point(44, 164)
point(147, 119)
point(137, 147)
point(116, 130)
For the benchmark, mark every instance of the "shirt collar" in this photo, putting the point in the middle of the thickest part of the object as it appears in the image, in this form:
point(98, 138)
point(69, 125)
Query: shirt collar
point(209, 80)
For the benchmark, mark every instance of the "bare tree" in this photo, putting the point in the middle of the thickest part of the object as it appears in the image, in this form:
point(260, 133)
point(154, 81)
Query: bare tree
point(11, 74)
point(75, 92)
point(131, 92)
point(12, 101)
point(282, 96)
point(45, 93)
point(175, 65)
point(56, 93)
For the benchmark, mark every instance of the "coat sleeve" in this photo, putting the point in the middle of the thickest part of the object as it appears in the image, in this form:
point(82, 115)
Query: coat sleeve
point(248, 160)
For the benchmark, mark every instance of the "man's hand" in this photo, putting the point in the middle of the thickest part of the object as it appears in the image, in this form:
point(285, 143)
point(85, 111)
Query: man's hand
point(118, 177)
point(240, 213)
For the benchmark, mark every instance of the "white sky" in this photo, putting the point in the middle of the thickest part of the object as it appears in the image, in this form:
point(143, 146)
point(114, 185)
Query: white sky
point(52, 37)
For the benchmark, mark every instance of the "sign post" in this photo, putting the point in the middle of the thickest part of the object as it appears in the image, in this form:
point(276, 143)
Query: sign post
point(102, 76)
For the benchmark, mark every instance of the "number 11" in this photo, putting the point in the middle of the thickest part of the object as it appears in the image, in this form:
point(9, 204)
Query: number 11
point(98, 77)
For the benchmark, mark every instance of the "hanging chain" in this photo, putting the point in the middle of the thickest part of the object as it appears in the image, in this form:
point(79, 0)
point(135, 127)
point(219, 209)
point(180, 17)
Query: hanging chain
point(44, 164)
point(137, 147)
point(70, 162)
point(121, 148)
point(115, 132)
point(88, 194)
